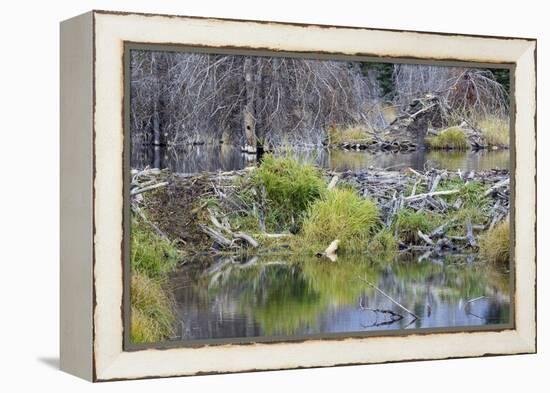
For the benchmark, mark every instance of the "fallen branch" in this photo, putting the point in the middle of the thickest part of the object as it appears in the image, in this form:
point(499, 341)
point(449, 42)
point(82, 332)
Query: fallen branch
point(430, 194)
point(500, 184)
point(241, 235)
point(216, 236)
point(426, 238)
point(137, 191)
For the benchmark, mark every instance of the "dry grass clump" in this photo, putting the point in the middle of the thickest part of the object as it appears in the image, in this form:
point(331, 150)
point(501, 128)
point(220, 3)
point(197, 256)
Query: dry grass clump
point(152, 313)
point(452, 138)
point(351, 134)
point(494, 245)
point(496, 131)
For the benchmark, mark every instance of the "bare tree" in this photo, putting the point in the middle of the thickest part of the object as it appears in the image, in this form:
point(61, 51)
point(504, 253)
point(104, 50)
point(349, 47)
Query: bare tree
point(246, 100)
point(469, 92)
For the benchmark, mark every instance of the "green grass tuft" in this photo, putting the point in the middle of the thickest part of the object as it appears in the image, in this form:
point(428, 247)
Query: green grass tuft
point(409, 222)
point(494, 245)
point(342, 215)
point(472, 194)
point(383, 245)
point(152, 310)
point(451, 138)
point(151, 254)
point(290, 187)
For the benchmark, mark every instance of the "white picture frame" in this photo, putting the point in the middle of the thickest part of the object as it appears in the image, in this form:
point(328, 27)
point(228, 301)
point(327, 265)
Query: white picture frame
point(92, 194)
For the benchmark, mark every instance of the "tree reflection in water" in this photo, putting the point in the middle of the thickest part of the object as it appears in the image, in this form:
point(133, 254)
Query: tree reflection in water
point(282, 296)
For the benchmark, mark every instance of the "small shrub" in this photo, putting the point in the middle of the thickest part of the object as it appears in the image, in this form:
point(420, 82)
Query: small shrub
point(496, 131)
point(342, 215)
point(290, 187)
point(494, 246)
point(150, 254)
point(451, 138)
point(352, 134)
point(409, 222)
point(152, 310)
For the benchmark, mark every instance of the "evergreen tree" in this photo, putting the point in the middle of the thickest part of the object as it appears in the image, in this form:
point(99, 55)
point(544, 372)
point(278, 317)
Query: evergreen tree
point(502, 76)
point(384, 75)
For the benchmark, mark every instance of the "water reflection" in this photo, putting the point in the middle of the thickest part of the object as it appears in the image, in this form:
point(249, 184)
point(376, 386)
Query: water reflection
point(193, 159)
point(297, 296)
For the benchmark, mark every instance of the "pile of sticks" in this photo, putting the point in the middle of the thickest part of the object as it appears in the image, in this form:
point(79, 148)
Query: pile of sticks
point(396, 190)
point(394, 146)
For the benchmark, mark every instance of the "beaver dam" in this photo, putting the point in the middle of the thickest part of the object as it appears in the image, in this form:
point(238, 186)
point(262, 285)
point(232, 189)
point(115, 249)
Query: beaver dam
point(289, 248)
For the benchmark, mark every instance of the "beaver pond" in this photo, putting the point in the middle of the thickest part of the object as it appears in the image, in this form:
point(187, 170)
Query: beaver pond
point(283, 297)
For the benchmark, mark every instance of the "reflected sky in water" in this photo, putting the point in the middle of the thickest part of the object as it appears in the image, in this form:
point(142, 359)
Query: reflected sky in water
point(292, 296)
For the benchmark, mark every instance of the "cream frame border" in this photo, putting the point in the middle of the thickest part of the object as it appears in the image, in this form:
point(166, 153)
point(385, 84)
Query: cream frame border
point(111, 30)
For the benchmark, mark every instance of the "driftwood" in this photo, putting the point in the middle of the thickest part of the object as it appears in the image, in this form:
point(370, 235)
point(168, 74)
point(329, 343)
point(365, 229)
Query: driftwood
point(137, 191)
point(470, 233)
point(249, 239)
point(330, 251)
point(497, 186)
point(216, 236)
point(226, 228)
point(431, 194)
point(333, 182)
point(426, 238)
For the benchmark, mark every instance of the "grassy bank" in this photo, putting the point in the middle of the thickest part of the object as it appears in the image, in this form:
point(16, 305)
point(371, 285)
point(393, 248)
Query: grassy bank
point(152, 306)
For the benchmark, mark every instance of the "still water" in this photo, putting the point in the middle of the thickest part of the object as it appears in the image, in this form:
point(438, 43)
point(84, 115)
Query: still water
point(193, 159)
point(303, 296)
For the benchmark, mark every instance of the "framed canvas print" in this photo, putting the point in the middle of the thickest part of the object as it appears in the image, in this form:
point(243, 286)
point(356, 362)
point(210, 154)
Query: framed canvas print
point(246, 195)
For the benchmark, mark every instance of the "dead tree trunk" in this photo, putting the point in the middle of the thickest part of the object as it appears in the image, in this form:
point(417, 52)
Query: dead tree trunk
point(249, 122)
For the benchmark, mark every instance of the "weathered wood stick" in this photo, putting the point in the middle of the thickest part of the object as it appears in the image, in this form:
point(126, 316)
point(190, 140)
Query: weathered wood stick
point(500, 184)
point(426, 238)
point(429, 194)
point(274, 235)
point(470, 233)
point(435, 183)
point(333, 182)
point(216, 236)
point(148, 188)
point(249, 239)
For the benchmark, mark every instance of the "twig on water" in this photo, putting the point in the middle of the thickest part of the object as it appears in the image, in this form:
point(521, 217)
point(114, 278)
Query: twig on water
point(390, 298)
